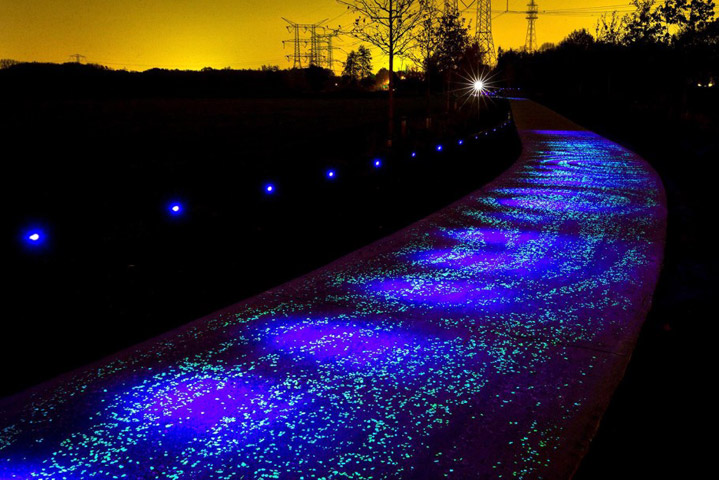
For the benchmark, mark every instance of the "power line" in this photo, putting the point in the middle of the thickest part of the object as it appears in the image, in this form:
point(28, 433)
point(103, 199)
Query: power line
point(532, 15)
point(581, 11)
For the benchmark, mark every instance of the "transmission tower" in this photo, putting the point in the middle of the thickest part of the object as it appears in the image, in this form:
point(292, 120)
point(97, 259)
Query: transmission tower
point(297, 56)
point(314, 46)
point(77, 58)
point(530, 44)
point(483, 24)
point(315, 51)
point(326, 49)
point(484, 31)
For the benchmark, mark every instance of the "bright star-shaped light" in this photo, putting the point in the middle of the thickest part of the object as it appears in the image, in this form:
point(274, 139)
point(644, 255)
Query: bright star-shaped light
point(475, 87)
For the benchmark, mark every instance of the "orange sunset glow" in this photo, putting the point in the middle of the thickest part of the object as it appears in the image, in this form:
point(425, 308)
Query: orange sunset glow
point(192, 34)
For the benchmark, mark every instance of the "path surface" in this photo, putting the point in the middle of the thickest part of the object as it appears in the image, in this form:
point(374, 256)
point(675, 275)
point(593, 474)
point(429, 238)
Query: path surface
point(481, 342)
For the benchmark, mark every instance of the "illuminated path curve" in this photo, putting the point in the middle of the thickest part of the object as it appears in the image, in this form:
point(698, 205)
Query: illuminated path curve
point(483, 341)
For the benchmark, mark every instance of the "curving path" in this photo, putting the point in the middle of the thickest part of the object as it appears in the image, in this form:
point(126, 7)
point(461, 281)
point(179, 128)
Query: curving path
point(481, 342)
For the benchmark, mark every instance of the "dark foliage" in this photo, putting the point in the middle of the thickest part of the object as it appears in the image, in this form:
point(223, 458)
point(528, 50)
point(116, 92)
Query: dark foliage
point(92, 81)
point(667, 79)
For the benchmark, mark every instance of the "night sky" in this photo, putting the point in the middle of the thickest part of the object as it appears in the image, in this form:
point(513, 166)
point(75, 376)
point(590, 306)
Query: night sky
point(192, 34)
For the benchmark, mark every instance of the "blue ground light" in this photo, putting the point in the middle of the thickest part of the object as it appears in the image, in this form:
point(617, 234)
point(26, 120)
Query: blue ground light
point(34, 238)
point(467, 345)
point(377, 163)
point(331, 174)
point(176, 209)
point(270, 189)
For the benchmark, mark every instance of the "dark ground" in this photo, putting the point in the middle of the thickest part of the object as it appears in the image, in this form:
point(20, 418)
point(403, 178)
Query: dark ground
point(99, 174)
point(658, 424)
point(116, 270)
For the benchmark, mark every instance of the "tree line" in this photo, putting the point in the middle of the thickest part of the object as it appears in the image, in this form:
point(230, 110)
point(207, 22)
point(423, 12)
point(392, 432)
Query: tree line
point(661, 59)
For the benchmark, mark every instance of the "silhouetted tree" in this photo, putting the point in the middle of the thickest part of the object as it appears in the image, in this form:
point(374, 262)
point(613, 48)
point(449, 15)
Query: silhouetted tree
point(7, 63)
point(706, 39)
point(687, 15)
point(578, 39)
point(351, 66)
point(364, 61)
point(473, 58)
point(424, 53)
point(645, 25)
point(453, 41)
point(610, 29)
point(358, 64)
point(388, 25)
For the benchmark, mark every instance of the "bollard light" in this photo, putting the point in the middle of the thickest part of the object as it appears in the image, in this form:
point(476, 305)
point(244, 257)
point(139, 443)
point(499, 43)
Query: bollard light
point(175, 209)
point(34, 237)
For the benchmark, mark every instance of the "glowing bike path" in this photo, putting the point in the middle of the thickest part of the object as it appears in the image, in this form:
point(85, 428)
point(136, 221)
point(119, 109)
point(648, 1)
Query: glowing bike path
point(481, 342)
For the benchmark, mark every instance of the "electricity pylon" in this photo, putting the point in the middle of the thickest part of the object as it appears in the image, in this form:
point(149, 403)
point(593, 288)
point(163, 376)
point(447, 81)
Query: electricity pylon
point(484, 32)
point(326, 49)
point(483, 26)
point(530, 43)
point(316, 42)
point(297, 56)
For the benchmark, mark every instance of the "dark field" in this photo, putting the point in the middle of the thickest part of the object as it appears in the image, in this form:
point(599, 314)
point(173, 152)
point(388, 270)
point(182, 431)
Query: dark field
point(98, 176)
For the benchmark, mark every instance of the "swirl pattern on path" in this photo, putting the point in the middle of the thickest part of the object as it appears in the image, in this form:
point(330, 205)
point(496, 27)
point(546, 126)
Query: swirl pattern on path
point(479, 342)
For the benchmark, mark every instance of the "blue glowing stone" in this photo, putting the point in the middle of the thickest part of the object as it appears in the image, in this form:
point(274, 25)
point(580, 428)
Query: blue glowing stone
point(270, 188)
point(377, 163)
point(331, 174)
point(414, 154)
point(439, 148)
point(34, 238)
point(460, 142)
point(175, 209)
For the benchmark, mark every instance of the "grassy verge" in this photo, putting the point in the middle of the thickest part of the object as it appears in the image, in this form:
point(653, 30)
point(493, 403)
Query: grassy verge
point(117, 270)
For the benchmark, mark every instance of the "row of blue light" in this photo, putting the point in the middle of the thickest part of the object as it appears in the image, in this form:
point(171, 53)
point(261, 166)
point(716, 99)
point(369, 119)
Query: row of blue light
point(36, 236)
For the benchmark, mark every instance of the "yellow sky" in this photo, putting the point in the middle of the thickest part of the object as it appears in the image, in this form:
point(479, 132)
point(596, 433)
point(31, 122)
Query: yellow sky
point(191, 34)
